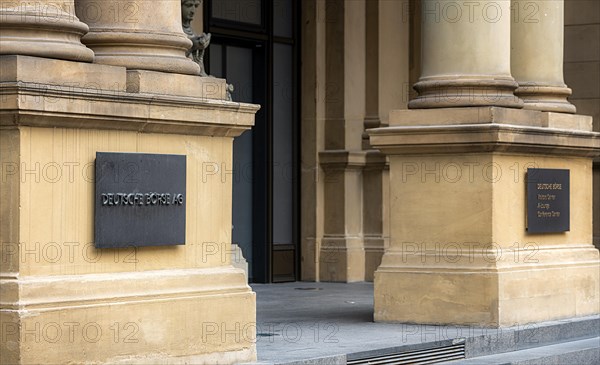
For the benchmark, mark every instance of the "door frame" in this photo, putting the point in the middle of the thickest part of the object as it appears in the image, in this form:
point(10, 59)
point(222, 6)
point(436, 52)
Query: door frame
point(262, 36)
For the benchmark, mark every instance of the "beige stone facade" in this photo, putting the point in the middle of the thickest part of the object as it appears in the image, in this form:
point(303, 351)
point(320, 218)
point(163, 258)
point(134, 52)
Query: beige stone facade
point(62, 299)
point(421, 191)
point(459, 251)
point(582, 65)
point(394, 49)
point(343, 236)
point(444, 50)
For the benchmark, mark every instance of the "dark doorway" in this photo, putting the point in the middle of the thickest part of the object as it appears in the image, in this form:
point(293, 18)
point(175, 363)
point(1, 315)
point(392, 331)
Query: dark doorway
point(254, 46)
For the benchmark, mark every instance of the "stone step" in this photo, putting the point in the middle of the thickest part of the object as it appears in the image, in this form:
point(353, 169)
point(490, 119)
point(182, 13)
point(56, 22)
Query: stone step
point(518, 338)
point(581, 352)
point(573, 341)
point(493, 341)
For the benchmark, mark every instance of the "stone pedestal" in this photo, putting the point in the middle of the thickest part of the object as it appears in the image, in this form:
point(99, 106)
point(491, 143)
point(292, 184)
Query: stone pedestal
point(354, 238)
point(342, 256)
point(460, 253)
point(375, 211)
point(63, 300)
point(238, 260)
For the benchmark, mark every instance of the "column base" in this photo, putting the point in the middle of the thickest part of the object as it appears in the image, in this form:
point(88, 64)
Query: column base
point(166, 316)
point(453, 92)
point(505, 294)
point(546, 98)
point(138, 35)
point(142, 51)
point(374, 249)
point(461, 252)
point(61, 299)
point(238, 260)
point(26, 30)
point(342, 260)
point(342, 253)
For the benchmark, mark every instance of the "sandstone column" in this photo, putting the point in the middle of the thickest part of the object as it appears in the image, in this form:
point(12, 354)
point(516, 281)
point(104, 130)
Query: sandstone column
point(461, 248)
point(44, 28)
point(537, 39)
point(465, 55)
point(143, 35)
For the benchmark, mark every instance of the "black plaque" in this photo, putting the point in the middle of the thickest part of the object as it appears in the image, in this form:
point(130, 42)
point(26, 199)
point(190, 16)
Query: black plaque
point(140, 200)
point(548, 200)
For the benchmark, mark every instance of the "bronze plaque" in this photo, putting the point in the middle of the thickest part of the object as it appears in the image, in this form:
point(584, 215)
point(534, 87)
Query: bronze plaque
point(548, 200)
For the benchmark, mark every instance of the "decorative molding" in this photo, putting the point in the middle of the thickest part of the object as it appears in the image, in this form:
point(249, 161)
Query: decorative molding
point(352, 160)
point(493, 134)
point(41, 105)
point(485, 138)
point(48, 292)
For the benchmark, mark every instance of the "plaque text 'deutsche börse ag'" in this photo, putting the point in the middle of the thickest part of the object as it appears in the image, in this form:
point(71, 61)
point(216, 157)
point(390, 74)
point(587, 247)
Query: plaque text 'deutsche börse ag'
point(140, 200)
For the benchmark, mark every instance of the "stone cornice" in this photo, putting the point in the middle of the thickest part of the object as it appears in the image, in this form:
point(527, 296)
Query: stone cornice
point(37, 105)
point(489, 115)
point(352, 160)
point(476, 138)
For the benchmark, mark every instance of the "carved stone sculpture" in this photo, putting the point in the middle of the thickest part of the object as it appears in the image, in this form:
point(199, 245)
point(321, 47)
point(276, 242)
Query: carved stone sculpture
point(200, 42)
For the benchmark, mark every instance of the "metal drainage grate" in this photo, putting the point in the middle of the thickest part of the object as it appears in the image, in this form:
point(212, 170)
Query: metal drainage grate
point(419, 357)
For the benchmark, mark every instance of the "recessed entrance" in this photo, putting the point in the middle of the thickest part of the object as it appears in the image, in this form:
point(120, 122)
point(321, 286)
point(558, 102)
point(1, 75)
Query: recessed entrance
point(254, 46)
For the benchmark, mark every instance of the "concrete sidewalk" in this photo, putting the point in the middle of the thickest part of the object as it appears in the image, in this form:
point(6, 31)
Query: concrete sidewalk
point(332, 323)
point(299, 321)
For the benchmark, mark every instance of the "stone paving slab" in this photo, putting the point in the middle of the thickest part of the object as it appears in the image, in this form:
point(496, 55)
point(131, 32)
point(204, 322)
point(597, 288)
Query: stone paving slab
point(321, 323)
point(299, 321)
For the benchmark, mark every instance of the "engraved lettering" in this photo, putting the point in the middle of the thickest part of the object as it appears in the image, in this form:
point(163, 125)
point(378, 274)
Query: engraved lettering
point(141, 199)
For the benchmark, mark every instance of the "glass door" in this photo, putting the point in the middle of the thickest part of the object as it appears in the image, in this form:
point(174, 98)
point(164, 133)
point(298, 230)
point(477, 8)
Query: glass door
point(254, 48)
